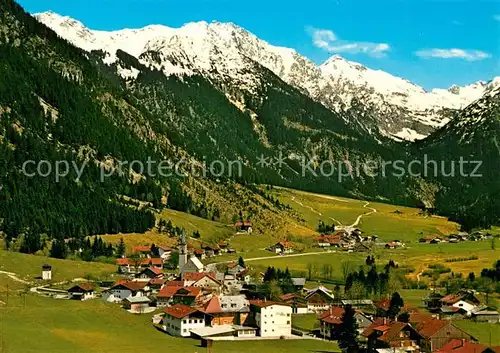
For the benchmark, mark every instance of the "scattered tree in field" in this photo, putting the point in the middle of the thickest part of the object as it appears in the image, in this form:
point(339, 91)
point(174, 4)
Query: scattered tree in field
point(347, 268)
point(310, 270)
point(471, 277)
point(325, 228)
point(241, 262)
point(120, 249)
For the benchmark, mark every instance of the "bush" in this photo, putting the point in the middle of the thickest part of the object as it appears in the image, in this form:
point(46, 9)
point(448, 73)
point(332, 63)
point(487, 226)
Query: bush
point(460, 259)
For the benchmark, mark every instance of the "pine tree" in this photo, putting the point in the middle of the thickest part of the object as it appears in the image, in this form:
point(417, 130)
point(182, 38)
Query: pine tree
point(241, 262)
point(348, 331)
point(120, 249)
point(395, 306)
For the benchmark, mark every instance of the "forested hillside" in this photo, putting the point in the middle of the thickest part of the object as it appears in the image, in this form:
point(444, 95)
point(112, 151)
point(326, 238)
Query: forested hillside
point(60, 103)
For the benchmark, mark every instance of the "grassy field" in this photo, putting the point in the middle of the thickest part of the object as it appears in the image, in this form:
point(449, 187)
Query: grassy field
point(29, 267)
point(484, 332)
point(210, 231)
point(313, 207)
point(418, 256)
point(51, 326)
point(305, 322)
point(389, 222)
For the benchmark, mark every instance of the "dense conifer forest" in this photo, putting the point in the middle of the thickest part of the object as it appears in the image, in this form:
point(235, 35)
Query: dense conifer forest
point(59, 103)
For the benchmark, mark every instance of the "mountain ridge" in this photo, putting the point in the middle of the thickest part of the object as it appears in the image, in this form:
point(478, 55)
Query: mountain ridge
point(374, 100)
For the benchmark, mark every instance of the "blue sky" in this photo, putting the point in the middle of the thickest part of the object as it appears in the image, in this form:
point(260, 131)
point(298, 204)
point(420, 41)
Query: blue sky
point(434, 43)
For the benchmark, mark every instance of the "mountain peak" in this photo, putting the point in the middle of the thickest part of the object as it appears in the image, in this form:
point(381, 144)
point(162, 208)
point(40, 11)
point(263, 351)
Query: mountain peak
point(219, 50)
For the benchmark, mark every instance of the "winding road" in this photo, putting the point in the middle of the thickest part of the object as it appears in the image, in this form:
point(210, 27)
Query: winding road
point(346, 228)
point(355, 224)
point(14, 277)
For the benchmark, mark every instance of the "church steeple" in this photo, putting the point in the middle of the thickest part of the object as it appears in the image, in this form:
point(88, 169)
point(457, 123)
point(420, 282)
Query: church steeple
point(183, 253)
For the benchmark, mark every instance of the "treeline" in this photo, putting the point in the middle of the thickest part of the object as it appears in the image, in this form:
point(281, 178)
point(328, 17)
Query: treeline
point(276, 283)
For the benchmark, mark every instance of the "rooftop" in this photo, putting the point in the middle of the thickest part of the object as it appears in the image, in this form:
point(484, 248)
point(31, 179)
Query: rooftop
point(180, 311)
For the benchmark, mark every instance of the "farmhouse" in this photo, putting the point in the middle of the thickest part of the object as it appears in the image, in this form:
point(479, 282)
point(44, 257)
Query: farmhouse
point(282, 247)
point(149, 273)
point(299, 283)
point(319, 299)
point(200, 254)
point(331, 320)
point(155, 284)
point(126, 289)
point(170, 295)
point(82, 291)
point(296, 302)
point(125, 265)
point(204, 280)
point(395, 335)
point(273, 319)
point(234, 269)
point(464, 346)
point(211, 250)
point(142, 250)
point(152, 262)
point(432, 301)
point(164, 252)
point(180, 319)
point(243, 227)
point(451, 313)
point(437, 333)
point(383, 306)
point(394, 245)
point(227, 310)
point(463, 300)
point(486, 314)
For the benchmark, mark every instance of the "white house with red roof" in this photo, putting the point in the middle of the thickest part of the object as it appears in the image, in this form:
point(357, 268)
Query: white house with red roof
point(180, 319)
point(274, 319)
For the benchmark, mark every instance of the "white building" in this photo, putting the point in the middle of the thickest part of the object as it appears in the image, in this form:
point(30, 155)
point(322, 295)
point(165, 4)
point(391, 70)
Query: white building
point(180, 319)
point(82, 291)
point(468, 307)
point(47, 272)
point(124, 290)
point(274, 319)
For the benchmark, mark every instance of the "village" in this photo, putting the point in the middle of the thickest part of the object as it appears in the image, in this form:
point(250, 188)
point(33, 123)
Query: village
point(227, 302)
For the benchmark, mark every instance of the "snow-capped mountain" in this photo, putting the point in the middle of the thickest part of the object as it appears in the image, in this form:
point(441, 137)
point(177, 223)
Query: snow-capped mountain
point(477, 121)
point(374, 100)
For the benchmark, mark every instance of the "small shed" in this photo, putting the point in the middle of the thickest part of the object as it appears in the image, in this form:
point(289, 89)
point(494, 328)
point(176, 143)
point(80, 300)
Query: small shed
point(136, 304)
point(46, 272)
